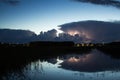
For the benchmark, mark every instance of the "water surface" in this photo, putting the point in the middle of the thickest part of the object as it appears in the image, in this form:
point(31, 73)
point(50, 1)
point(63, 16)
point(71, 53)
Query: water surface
point(94, 65)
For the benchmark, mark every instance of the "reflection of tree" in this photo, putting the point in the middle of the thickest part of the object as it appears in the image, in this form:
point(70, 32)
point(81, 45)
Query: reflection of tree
point(41, 67)
point(34, 67)
point(38, 67)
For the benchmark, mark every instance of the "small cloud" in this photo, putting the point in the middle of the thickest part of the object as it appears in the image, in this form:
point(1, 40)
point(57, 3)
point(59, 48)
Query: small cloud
point(114, 3)
point(11, 2)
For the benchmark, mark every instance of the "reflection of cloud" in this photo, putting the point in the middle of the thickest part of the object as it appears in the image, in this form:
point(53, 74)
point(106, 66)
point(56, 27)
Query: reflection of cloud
point(73, 59)
point(94, 30)
point(11, 2)
point(93, 62)
point(114, 3)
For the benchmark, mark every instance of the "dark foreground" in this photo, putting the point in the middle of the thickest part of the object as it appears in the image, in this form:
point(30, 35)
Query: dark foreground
point(14, 58)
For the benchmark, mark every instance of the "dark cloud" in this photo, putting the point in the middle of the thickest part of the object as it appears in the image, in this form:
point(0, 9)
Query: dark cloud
point(95, 61)
point(95, 31)
point(115, 3)
point(51, 35)
point(117, 21)
point(11, 2)
point(16, 36)
point(83, 31)
point(23, 36)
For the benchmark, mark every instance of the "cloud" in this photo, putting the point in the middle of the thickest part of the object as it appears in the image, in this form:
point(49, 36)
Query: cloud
point(16, 36)
point(47, 36)
point(115, 3)
point(117, 21)
point(11, 2)
point(67, 37)
point(24, 36)
point(82, 31)
point(95, 31)
point(51, 35)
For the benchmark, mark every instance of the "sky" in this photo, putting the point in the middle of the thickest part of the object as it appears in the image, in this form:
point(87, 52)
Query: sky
point(44, 15)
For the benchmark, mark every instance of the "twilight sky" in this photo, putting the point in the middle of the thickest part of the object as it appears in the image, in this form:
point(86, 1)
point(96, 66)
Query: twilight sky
point(44, 15)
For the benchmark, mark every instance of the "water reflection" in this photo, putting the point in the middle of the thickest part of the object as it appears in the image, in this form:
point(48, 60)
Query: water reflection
point(92, 66)
point(93, 62)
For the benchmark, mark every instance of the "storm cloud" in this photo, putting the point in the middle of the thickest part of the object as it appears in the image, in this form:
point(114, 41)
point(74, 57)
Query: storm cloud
point(94, 31)
point(51, 35)
point(25, 36)
point(82, 31)
point(114, 3)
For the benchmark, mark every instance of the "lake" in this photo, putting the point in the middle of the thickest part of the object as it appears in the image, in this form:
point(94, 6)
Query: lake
point(93, 65)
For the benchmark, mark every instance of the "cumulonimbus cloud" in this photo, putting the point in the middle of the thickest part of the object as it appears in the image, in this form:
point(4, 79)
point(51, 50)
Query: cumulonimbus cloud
point(95, 31)
point(115, 3)
point(82, 31)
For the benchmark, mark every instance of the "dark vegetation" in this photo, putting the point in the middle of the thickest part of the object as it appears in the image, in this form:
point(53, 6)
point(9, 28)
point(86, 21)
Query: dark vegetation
point(112, 49)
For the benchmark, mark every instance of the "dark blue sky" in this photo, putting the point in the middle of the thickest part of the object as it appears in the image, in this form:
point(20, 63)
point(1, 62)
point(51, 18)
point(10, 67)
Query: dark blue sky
point(43, 15)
